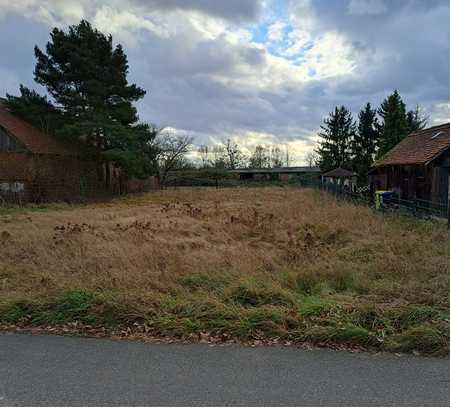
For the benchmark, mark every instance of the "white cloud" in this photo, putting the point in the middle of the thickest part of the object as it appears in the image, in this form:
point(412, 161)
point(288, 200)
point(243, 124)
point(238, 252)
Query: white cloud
point(125, 25)
point(52, 12)
point(276, 31)
point(211, 71)
point(329, 56)
point(9, 82)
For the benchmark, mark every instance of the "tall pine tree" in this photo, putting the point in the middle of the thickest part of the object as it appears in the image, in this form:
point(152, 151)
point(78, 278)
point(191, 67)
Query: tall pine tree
point(86, 76)
point(336, 136)
point(364, 142)
point(394, 126)
point(415, 120)
point(396, 123)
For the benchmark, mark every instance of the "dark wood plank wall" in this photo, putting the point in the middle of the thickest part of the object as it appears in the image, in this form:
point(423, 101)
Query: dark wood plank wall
point(430, 182)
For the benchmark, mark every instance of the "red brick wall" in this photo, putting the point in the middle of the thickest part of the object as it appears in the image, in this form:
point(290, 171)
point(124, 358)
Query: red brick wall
point(142, 185)
point(14, 166)
point(46, 177)
point(56, 178)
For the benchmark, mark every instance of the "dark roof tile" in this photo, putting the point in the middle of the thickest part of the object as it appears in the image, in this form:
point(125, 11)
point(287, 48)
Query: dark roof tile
point(419, 148)
point(33, 139)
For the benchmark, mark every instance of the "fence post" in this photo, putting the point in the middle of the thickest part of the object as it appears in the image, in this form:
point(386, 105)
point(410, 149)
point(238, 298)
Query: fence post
point(448, 213)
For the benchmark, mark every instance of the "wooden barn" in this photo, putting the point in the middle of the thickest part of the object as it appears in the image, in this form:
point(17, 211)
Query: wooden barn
point(418, 167)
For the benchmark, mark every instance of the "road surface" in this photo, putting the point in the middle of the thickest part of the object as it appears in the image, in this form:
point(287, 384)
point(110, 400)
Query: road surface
point(72, 372)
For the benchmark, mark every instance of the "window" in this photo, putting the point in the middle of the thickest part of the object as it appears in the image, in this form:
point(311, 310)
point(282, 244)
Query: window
point(436, 135)
point(9, 143)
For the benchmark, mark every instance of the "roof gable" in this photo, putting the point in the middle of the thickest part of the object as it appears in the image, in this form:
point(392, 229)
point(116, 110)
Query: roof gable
point(33, 139)
point(419, 148)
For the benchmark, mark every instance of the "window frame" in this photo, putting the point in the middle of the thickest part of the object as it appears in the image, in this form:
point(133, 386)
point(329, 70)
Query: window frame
point(9, 143)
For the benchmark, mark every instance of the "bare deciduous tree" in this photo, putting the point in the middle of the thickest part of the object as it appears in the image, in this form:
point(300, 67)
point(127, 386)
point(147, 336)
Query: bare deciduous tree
point(172, 151)
point(260, 157)
point(203, 152)
point(288, 158)
point(312, 159)
point(235, 157)
point(276, 157)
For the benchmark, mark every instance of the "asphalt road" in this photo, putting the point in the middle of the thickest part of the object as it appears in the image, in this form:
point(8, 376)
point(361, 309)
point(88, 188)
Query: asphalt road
point(54, 371)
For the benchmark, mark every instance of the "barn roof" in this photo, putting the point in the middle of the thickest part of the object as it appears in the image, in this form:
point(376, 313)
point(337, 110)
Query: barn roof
point(280, 170)
point(339, 173)
point(33, 139)
point(419, 148)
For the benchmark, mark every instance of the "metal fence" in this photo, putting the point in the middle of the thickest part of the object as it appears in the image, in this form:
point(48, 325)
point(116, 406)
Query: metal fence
point(416, 207)
point(361, 196)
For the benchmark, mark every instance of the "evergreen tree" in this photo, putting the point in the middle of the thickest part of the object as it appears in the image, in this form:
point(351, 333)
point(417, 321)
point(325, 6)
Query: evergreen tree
point(86, 76)
point(415, 120)
point(394, 125)
point(36, 110)
point(364, 142)
point(336, 136)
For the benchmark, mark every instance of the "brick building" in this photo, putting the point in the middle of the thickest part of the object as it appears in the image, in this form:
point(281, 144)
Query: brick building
point(36, 167)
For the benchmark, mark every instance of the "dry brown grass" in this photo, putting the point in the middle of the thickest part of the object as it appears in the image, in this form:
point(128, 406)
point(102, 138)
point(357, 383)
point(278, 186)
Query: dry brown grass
point(148, 250)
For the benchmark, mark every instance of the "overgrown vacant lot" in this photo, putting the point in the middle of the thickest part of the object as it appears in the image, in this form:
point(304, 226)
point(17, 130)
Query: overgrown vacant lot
point(253, 264)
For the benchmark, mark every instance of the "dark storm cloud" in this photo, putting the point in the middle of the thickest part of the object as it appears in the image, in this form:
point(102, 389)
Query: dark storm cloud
point(403, 47)
point(236, 10)
point(213, 86)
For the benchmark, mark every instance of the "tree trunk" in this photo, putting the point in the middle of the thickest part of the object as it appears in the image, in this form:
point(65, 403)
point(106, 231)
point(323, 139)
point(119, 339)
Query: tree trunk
point(107, 175)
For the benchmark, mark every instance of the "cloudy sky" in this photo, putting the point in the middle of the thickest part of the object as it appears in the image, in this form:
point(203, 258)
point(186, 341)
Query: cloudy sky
point(258, 71)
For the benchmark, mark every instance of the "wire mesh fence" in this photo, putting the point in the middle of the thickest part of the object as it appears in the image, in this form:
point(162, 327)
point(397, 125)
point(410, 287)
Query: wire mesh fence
point(393, 203)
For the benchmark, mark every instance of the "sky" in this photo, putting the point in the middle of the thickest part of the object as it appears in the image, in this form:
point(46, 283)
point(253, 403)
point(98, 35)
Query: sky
point(255, 71)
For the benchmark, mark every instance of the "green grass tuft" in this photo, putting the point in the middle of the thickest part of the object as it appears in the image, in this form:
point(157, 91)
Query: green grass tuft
point(256, 295)
point(416, 315)
point(315, 306)
point(348, 334)
point(212, 282)
point(423, 339)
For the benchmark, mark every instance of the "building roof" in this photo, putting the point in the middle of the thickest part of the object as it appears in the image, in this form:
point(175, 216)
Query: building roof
point(420, 147)
point(339, 173)
point(33, 139)
point(281, 170)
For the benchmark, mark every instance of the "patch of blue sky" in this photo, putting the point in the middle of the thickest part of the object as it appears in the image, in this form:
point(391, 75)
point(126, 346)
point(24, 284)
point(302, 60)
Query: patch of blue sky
point(275, 11)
